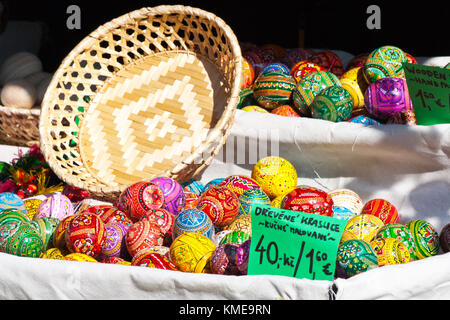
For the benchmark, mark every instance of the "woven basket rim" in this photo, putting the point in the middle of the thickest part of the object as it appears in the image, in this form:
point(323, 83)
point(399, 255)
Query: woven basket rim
point(222, 127)
point(21, 111)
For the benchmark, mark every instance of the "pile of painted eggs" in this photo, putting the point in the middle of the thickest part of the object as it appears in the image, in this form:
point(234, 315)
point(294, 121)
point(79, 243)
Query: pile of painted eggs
point(299, 82)
point(206, 228)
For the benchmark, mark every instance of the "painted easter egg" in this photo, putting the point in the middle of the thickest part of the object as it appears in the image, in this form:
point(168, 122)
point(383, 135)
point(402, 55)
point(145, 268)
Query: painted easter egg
point(390, 251)
point(348, 199)
point(174, 198)
point(191, 252)
point(303, 68)
point(109, 214)
point(274, 49)
point(405, 117)
point(248, 74)
point(46, 227)
point(114, 244)
point(275, 67)
point(410, 58)
point(223, 260)
point(151, 259)
point(444, 238)
point(258, 58)
point(191, 200)
point(362, 227)
point(425, 238)
point(357, 61)
point(52, 253)
point(220, 235)
point(285, 111)
point(365, 121)
point(235, 236)
point(9, 200)
point(220, 204)
point(239, 184)
point(193, 185)
point(213, 183)
point(296, 55)
point(138, 198)
point(383, 62)
point(10, 215)
point(56, 206)
point(310, 200)
point(275, 175)
point(85, 234)
point(333, 104)
point(81, 257)
point(59, 235)
point(246, 98)
point(386, 97)
point(354, 82)
point(330, 61)
point(354, 257)
point(401, 233)
point(161, 217)
point(193, 221)
point(308, 87)
point(382, 209)
point(250, 198)
point(141, 235)
point(255, 109)
point(276, 202)
point(241, 223)
point(273, 89)
point(32, 206)
point(20, 239)
point(241, 257)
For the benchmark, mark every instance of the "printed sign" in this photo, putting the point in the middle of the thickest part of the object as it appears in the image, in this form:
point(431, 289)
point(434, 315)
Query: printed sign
point(429, 89)
point(294, 244)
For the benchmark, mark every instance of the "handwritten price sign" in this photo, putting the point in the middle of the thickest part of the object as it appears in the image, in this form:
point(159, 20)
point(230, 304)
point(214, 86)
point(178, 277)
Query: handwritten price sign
point(429, 89)
point(294, 244)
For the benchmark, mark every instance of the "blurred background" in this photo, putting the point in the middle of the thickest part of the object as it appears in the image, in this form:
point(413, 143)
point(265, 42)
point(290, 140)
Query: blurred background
point(419, 29)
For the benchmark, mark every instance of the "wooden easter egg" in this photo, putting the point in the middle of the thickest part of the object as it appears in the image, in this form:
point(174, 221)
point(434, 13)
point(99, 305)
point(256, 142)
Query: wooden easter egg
point(383, 62)
point(332, 104)
point(273, 89)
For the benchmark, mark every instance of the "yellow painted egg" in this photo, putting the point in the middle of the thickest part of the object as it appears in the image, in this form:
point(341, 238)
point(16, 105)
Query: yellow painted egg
point(356, 84)
point(52, 253)
point(241, 223)
point(79, 257)
point(275, 175)
point(32, 206)
point(191, 252)
point(390, 251)
point(362, 227)
point(255, 109)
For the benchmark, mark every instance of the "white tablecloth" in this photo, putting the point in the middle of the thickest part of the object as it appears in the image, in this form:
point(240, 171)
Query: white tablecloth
point(409, 166)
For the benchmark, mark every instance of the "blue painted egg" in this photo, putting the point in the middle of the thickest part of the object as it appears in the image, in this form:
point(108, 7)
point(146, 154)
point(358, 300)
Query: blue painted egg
point(250, 198)
point(193, 220)
point(10, 200)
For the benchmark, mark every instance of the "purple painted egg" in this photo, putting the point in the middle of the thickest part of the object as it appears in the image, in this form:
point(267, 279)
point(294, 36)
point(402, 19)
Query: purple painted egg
point(223, 260)
point(242, 254)
point(114, 245)
point(174, 197)
point(56, 206)
point(386, 97)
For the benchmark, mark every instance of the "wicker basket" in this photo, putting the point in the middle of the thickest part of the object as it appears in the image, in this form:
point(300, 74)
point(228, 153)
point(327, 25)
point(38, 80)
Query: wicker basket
point(151, 93)
point(19, 127)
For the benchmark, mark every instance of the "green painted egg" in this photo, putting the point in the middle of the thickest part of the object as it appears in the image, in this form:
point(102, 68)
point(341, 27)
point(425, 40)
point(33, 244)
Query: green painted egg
point(250, 198)
point(273, 89)
point(20, 239)
point(246, 98)
point(333, 104)
point(353, 257)
point(401, 233)
point(9, 215)
point(46, 227)
point(10, 200)
point(385, 62)
point(235, 237)
point(310, 86)
point(425, 238)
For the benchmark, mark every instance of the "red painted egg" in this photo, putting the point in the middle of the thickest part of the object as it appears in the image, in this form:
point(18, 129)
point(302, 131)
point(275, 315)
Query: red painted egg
point(110, 214)
point(143, 234)
point(239, 184)
point(382, 209)
point(303, 68)
point(86, 233)
point(148, 258)
point(285, 111)
point(310, 200)
point(161, 217)
point(140, 197)
point(330, 61)
point(191, 200)
point(220, 204)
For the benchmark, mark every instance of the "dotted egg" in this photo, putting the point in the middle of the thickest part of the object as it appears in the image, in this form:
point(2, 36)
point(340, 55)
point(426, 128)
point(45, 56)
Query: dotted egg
point(193, 221)
point(334, 103)
point(354, 257)
point(362, 227)
point(386, 61)
point(390, 251)
point(273, 89)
